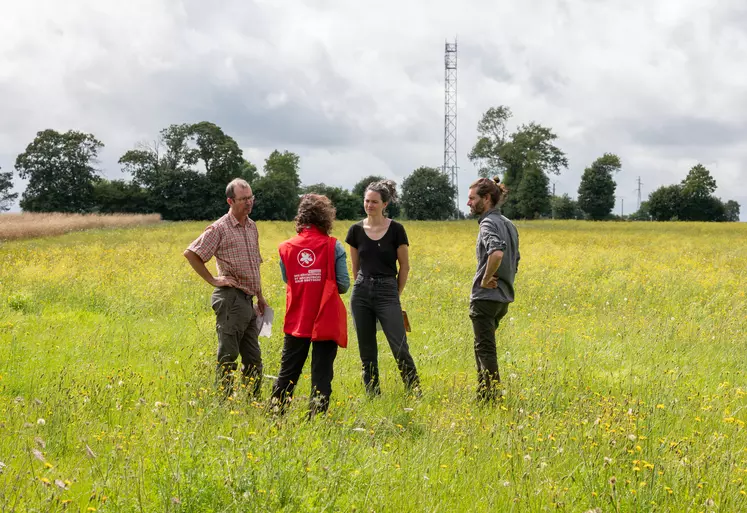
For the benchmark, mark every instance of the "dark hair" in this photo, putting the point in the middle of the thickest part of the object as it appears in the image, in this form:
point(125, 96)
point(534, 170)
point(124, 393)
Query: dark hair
point(494, 188)
point(317, 210)
point(387, 189)
point(230, 188)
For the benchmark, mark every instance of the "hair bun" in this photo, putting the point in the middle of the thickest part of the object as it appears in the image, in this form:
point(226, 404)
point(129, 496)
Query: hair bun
point(497, 179)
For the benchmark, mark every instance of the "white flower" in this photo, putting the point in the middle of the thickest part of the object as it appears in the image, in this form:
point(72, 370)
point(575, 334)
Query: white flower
point(632, 437)
point(527, 457)
point(41, 422)
point(120, 382)
point(2, 467)
point(359, 430)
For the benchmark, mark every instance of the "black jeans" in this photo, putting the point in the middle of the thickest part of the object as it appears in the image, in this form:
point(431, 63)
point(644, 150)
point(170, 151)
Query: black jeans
point(295, 352)
point(238, 334)
point(378, 299)
point(485, 317)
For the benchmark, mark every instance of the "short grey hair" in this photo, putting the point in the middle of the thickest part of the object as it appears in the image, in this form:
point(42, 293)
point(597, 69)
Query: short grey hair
point(230, 188)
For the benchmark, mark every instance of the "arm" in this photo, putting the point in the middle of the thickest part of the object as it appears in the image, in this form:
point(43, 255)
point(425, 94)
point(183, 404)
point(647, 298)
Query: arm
point(494, 245)
point(199, 266)
point(489, 281)
point(403, 257)
point(282, 272)
point(355, 261)
point(341, 269)
point(261, 302)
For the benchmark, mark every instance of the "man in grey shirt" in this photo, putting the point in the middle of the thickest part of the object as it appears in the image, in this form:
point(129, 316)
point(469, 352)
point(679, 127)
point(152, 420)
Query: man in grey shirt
point(493, 286)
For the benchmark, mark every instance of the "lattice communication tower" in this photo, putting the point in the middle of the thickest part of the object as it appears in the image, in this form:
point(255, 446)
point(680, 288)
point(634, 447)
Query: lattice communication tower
point(450, 117)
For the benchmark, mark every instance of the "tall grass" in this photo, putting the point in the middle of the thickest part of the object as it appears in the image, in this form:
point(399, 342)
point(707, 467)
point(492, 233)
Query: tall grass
point(30, 225)
point(623, 362)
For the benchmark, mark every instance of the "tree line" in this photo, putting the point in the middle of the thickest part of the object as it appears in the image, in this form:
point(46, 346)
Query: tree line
point(526, 158)
point(182, 173)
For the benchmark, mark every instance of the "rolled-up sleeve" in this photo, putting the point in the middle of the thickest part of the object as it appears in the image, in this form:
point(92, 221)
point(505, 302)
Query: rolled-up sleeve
point(206, 244)
point(341, 268)
point(490, 237)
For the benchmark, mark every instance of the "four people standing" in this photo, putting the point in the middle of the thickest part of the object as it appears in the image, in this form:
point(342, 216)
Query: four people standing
point(380, 263)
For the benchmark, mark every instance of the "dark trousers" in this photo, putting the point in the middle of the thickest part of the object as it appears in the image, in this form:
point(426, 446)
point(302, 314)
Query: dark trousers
point(378, 299)
point(485, 316)
point(238, 335)
point(295, 352)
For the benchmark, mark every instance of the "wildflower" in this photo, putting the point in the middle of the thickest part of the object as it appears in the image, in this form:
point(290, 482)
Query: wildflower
point(607, 461)
point(41, 422)
point(632, 437)
point(2, 467)
point(60, 484)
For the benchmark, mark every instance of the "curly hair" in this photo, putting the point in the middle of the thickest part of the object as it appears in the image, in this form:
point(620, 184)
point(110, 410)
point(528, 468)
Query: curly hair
point(494, 188)
point(317, 210)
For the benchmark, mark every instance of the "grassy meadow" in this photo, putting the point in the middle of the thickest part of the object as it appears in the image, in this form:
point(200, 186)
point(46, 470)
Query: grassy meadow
point(624, 365)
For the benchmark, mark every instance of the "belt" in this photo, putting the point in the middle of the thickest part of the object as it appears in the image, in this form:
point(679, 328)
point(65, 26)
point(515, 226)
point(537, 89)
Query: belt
point(378, 278)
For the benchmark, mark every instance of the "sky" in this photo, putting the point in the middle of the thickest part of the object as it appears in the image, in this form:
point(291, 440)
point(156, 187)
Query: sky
point(358, 88)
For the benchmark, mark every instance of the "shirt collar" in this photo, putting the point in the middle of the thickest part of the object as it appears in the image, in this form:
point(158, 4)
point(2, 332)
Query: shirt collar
point(233, 220)
point(310, 228)
point(488, 212)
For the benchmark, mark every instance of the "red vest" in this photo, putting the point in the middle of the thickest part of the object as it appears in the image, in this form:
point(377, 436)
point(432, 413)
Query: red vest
point(305, 258)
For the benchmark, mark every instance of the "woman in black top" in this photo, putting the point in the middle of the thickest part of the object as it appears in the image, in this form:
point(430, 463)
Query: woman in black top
point(377, 245)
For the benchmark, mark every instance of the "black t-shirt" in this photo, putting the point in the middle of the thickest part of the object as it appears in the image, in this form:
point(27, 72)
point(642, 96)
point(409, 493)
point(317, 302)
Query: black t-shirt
point(377, 257)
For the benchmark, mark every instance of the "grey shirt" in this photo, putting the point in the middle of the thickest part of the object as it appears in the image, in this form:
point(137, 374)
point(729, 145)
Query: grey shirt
point(497, 233)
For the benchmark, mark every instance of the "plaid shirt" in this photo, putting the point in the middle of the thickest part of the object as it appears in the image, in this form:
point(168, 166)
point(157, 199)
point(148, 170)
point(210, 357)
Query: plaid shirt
point(236, 251)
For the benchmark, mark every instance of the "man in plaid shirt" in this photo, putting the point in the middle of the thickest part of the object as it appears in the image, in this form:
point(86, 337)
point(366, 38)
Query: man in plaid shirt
point(234, 241)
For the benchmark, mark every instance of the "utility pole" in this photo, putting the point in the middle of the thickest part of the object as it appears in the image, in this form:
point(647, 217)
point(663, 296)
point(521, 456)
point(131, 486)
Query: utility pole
point(639, 192)
point(622, 202)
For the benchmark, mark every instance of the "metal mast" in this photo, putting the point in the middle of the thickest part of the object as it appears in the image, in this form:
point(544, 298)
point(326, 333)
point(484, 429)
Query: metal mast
point(639, 192)
point(450, 117)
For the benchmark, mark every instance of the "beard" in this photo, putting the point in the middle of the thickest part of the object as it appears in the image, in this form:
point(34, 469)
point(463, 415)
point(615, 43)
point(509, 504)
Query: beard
point(478, 208)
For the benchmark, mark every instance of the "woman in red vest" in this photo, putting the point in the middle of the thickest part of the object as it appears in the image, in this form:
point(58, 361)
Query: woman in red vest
point(304, 265)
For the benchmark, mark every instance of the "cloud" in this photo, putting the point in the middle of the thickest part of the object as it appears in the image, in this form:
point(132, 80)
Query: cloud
point(359, 90)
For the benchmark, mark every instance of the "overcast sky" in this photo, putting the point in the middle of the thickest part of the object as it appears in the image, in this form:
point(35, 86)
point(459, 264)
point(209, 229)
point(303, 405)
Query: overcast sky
point(358, 88)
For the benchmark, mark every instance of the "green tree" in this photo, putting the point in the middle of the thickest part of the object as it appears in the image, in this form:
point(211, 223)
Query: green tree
point(346, 204)
point(642, 214)
point(186, 169)
point(492, 136)
point(731, 208)
point(6, 185)
point(596, 193)
point(534, 194)
point(59, 167)
point(112, 196)
point(699, 183)
point(428, 194)
point(277, 191)
point(563, 207)
point(531, 146)
point(393, 210)
point(665, 203)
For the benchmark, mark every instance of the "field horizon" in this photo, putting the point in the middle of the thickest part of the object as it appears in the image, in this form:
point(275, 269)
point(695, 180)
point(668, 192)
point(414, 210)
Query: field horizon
point(623, 362)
